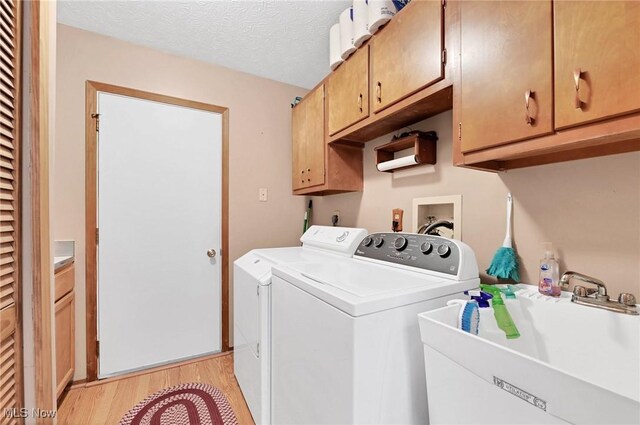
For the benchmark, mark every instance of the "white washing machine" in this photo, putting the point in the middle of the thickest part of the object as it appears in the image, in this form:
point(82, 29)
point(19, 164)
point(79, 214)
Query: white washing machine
point(252, 305)
point(346, 345)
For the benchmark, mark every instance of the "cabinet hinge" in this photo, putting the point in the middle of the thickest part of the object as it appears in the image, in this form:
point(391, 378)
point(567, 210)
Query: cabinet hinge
point(97, 235)
point(258, 349)
point(97, 348)
point(97, 118)
point(444, 56)
point(258, 290)
point(459, 131)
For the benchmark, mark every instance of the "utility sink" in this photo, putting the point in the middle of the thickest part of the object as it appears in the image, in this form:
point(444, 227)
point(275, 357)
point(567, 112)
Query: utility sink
point(571, 364)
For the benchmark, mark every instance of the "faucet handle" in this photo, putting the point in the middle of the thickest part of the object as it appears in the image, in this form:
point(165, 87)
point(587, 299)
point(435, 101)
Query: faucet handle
point(579, 291)
point(627, 299)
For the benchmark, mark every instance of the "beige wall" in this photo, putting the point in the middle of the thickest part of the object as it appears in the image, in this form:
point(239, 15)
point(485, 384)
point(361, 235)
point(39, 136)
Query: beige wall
point(260, 140)
point(589, 209)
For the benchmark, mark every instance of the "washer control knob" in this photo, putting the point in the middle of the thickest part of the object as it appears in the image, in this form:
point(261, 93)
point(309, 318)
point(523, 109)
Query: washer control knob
point(343, 236)
point(400, 243)
point(378, 242)
point(444, 250)
point(426, 247)
point(367, 241)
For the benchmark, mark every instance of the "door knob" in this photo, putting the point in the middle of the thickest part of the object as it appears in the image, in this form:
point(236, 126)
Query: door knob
point(211, 253)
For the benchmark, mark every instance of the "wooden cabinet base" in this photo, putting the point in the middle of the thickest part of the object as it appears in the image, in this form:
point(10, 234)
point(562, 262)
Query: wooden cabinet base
point(64, 280)
point(614, 136)
point(426, 103)
point(596, 111)
point(64, 328)
point(344, 172)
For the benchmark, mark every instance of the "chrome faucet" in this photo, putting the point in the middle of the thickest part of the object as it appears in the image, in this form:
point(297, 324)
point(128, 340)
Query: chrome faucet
point(602, 289)
point(598, 297)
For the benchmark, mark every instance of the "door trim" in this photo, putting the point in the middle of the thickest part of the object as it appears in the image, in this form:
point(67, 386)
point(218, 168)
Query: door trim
point(92, 89)
point(37, 137)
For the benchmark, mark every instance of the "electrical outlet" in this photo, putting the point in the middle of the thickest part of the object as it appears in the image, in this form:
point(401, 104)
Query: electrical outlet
point(335, 218)
point(396, 220)
point(262, 194)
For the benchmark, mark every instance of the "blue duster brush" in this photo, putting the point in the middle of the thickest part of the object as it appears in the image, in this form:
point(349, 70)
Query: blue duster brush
point(505, 261)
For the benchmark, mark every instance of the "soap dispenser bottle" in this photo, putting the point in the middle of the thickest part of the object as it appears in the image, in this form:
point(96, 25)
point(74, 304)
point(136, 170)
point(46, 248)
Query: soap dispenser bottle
point(549, 273)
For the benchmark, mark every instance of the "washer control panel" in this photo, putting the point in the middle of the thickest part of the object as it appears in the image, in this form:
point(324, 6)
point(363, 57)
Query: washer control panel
point(410, 249)
point(339, 240)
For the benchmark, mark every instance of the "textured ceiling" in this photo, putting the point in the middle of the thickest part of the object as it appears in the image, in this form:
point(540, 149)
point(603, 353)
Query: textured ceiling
point(284, 40)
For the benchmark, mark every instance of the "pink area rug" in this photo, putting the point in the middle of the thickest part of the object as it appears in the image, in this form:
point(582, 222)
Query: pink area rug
point(186, 404)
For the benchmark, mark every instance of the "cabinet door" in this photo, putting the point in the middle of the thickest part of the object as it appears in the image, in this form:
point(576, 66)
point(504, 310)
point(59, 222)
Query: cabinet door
point(308, 140)
point(348, 92)
point(64, 281)
point(313, 133)
point(298, 147)
point(597, 60)
point(506, 72)
point(65, 341)
point(407, 53)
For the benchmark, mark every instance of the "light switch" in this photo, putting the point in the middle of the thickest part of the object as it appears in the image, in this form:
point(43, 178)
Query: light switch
point(262, 194)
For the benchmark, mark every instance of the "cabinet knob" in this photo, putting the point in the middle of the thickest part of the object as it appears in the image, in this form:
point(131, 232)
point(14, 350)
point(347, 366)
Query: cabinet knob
point(577, 76)
point(528, 95)
point(379, 92)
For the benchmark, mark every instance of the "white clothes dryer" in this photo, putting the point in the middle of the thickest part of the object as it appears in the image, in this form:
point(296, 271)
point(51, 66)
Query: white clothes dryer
point(252, 306)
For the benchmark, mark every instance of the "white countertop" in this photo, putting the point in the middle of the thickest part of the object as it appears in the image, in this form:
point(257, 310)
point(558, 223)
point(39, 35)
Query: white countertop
point(62, 261)
point(63, 253)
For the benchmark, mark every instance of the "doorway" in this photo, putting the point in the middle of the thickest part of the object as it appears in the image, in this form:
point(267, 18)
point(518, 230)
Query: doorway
point(158, 213)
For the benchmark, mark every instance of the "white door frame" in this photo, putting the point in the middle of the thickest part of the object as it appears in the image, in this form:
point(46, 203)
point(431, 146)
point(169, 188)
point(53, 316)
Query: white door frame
point(92, 121)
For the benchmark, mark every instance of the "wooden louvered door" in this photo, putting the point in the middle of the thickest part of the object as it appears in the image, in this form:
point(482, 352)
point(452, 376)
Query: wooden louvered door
point(10, 326)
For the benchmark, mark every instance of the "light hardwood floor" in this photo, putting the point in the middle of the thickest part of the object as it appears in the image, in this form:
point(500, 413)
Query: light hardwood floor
point(105, 403)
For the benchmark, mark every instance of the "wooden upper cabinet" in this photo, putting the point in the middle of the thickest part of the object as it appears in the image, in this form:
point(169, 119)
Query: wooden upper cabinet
point(506, 72)
point(407, 54)
point(348, 92)
point(297, 147)
point(597, 60)
point(308, 140)
point(313, 133)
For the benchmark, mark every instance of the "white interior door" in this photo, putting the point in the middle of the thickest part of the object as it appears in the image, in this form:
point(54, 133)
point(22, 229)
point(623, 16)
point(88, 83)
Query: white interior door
point(159, 212)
